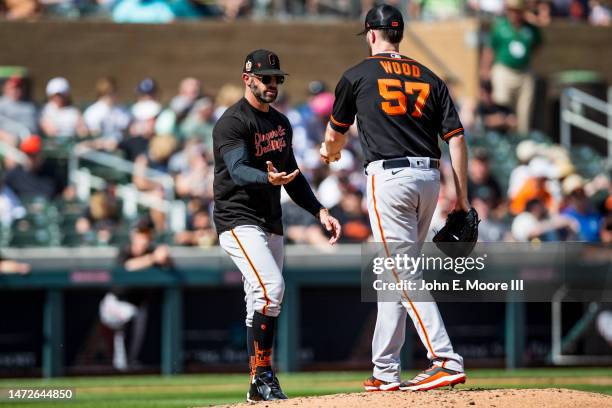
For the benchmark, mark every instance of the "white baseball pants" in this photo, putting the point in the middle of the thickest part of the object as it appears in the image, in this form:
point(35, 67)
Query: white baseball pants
point(259, 256)
point(401, 203)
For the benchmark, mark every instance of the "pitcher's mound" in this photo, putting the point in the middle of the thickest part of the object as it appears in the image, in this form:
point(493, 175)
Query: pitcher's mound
point(466, 397)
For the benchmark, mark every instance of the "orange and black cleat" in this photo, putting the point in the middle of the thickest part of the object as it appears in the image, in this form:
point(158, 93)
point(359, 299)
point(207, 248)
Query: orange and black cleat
point(434, 377)
point(374, 384)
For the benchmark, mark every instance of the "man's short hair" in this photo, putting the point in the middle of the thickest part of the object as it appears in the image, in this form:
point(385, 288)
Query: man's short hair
point(480, 154)
point(391, 35)
point(533, 204)
point(144, 225)
point(106, 86)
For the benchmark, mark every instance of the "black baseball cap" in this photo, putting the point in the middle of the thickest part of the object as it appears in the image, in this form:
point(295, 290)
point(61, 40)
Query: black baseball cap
point(383, 16)
point(262, 62)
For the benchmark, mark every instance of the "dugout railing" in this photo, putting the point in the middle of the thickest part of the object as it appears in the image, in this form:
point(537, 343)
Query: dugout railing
point(57, 270)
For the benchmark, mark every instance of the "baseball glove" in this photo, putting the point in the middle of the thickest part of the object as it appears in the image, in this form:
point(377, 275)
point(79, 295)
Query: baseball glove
point(459, 235)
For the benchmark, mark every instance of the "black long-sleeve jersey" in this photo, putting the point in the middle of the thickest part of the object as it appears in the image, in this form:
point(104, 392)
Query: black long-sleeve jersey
point(245, 138)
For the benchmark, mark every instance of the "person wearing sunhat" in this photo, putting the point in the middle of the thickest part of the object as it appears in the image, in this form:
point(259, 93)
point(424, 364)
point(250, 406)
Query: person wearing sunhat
point(525, 151)
point(536, 186)
point(59, 118)
point(252, 145)
point(507, 60)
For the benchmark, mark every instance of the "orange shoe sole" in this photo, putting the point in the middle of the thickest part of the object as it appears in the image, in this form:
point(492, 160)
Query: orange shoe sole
point(447, 381)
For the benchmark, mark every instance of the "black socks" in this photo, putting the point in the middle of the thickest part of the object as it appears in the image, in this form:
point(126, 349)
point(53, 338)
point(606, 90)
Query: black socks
point(251, 351)
point(261, 343)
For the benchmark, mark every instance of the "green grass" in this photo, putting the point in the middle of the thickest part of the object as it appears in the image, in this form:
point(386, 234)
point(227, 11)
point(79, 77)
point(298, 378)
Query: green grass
point(209, 389)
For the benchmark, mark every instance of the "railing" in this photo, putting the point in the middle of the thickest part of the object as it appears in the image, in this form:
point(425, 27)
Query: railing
point(561, 343)
point(6, 150)
point(84, 182)
point(58, 271)
point(131, 198)
point(83, 152)
point(572, 102)
point(130, 195)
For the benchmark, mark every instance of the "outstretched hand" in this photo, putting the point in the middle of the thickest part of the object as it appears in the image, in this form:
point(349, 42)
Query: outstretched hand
point(331, 225)
point(278, 179)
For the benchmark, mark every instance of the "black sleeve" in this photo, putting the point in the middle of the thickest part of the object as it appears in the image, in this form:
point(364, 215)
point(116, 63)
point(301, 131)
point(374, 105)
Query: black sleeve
point(228, 134)
point(241, 173)
point(451, 125)
point(299, 190)
point(345, 108)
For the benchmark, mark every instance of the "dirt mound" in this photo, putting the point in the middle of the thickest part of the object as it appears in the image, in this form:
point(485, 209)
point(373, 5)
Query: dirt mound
point(466, 397)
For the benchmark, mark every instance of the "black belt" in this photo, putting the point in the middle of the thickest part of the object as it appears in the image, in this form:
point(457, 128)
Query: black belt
point(405, 162)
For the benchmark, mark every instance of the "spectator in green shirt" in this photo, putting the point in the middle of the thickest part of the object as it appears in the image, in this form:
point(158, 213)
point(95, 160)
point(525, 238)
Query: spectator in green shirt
point(506, 62)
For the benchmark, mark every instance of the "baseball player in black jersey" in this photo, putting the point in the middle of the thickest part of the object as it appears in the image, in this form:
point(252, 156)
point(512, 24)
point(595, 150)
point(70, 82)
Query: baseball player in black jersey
point(253, 158)
point(402, 109)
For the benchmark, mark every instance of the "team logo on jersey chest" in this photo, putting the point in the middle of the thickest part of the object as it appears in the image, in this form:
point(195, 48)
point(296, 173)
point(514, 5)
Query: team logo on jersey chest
point(273, 140)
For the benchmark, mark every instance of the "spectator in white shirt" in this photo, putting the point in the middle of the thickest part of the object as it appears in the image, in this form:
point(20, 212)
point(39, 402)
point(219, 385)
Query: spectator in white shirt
point(105, 118)
point(190, 90)
point(525, 151)
point(59, 118)
point(147, 102)
point(536, 224)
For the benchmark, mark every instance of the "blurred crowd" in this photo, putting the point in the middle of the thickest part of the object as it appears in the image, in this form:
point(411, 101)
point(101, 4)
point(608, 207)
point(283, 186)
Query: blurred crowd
point(542, 198)
point(539, 12)
point(524, 187)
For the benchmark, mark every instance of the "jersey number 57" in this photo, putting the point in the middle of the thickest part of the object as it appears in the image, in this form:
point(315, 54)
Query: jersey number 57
point(396, 101)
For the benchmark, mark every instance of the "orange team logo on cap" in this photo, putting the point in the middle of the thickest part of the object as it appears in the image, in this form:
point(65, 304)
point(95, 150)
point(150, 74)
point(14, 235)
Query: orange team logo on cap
point(394, 24)
point(259, 65)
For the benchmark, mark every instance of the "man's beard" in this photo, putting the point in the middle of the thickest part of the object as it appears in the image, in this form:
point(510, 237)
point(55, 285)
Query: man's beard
point(261, 96)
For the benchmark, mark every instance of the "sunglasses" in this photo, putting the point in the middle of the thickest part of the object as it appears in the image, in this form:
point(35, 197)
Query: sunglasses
point(267, 79)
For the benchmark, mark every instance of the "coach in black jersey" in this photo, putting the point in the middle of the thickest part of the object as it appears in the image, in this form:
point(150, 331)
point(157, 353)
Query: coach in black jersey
point(403, 110)
point(253, 158)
